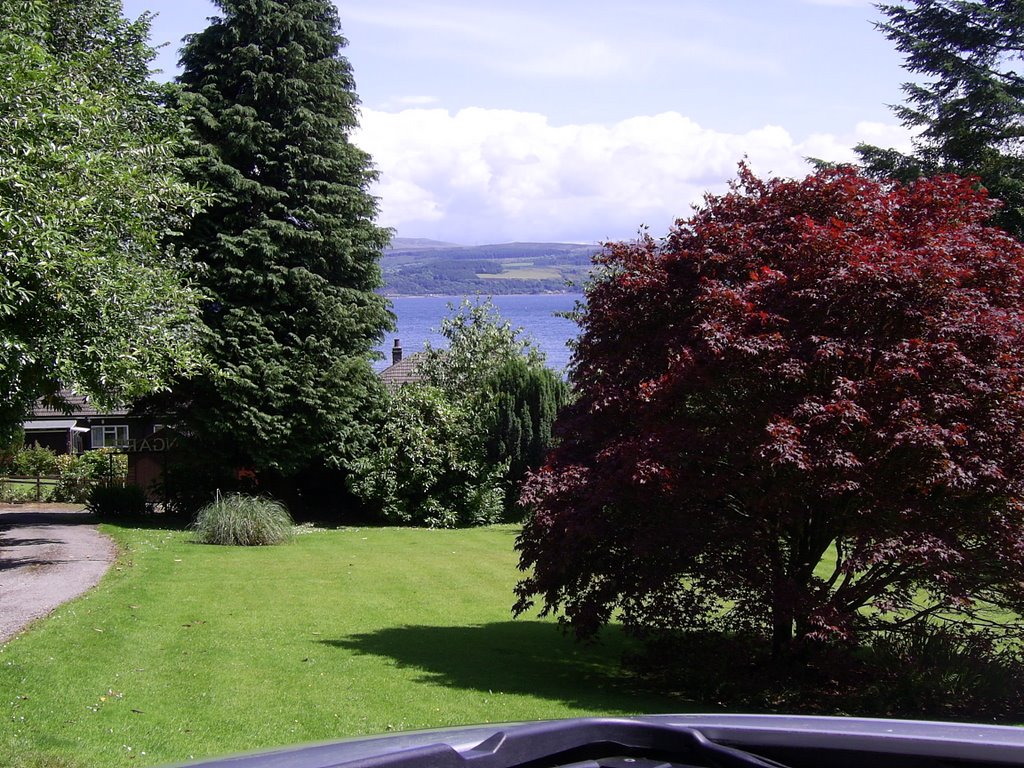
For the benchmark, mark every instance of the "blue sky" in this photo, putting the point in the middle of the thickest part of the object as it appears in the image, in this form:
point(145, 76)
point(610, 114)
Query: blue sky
point(583, 120)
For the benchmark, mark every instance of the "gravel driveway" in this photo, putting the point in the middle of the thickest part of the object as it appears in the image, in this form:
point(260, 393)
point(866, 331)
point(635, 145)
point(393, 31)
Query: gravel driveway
point(49, 553)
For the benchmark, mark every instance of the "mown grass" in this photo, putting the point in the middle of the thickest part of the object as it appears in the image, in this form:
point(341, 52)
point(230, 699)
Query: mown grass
point(188, 650)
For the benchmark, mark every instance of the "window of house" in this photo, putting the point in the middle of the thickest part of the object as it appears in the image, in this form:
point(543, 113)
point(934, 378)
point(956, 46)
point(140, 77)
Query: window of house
point(110, 436)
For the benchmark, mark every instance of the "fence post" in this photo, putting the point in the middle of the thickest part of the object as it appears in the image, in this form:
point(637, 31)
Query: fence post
point(39, 487)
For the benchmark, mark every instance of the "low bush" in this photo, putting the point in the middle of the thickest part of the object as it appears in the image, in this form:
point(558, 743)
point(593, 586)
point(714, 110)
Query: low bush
point(106, 501)
point(20, 493)
point(924, 671)
point(426, 465)
point(35, 460)
point(245, 521)
point(938, 671)
point(79, 474)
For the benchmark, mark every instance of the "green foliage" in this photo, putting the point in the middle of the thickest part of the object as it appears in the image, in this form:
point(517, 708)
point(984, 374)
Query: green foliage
point(289, 249)
point(929, 666)
point(78, 474)
point(970, 110)
point(90, 297)
point(10, 451)
point(427, 467)
point(35, 460)
point(245, 521)
point(108, 501)
point(479, 340)
point(452, 452)
point(493, 371)
point(21, 493)
point(924, 671)
point(521, 402)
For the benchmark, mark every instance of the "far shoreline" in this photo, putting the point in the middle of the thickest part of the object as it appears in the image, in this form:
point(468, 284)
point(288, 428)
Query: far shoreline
point(478, 293)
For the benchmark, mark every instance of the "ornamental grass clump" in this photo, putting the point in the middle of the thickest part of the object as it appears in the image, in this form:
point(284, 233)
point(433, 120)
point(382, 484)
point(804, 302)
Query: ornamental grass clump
point(246, 521)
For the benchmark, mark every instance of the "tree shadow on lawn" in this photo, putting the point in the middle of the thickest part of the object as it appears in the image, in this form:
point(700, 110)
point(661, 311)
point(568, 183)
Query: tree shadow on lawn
point(520, 657)
point(10, 519)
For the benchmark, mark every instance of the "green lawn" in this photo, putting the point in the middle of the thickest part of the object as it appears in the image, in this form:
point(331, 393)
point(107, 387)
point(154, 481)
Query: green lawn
point(190, 650)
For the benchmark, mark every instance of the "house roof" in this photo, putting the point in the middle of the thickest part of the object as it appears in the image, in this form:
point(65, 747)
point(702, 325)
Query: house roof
point(80, 406)
point(49, 425)
point(405, 371)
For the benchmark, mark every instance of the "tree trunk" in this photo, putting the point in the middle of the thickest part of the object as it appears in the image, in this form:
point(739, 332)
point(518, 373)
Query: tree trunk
point(782, 630)
point(782, 614)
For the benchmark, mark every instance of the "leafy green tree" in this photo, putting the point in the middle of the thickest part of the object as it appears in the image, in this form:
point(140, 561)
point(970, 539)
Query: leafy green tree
point(478, 340)
point(427, 465)
point(452, 450)
point(970, 110)
point(90, 296)
point(495, 372)
point(289, 247)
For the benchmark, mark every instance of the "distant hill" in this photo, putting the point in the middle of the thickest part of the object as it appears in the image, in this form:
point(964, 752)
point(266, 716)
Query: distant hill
point(417, 266)
point(419, 244)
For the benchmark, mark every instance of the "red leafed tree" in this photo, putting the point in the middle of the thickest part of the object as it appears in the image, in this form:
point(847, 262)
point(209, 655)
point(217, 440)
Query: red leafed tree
point(799, 415)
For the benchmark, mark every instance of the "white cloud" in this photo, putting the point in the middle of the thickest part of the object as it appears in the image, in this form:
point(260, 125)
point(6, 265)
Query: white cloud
point(485, 175)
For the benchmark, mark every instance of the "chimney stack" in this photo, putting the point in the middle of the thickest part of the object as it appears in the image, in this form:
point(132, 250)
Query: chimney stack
point(396, 352)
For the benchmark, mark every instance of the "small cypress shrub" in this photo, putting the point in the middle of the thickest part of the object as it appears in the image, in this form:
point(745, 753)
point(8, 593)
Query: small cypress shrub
point(247, 521)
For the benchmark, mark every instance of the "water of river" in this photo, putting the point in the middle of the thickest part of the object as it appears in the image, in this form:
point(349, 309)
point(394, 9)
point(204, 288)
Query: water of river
point(419, 317)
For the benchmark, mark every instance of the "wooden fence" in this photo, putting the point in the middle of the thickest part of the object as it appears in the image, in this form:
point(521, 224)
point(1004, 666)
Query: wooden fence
point(37, 483)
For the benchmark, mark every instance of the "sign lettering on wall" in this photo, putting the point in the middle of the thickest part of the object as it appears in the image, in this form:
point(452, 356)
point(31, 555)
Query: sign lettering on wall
point(152, 444)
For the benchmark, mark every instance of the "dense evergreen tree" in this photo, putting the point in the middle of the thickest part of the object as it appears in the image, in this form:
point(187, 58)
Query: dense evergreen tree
point(520, 404)
point(289, 247)
point(91, 297)
point(970, 111)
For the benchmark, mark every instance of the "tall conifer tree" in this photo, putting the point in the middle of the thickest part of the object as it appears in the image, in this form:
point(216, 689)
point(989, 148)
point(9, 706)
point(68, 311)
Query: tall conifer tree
point(289, 247)
point(970, 108)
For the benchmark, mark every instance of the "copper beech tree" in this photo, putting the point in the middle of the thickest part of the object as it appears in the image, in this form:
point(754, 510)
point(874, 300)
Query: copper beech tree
point(800, 415)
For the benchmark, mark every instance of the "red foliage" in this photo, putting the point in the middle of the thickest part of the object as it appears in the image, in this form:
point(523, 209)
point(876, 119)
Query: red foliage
point(803, 371)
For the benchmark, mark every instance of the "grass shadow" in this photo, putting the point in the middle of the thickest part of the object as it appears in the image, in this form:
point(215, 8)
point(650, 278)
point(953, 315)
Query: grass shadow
point(521, 657)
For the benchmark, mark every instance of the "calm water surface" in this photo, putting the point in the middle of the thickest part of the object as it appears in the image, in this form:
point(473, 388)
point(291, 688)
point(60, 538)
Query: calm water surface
point(419, 317)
